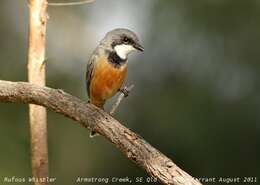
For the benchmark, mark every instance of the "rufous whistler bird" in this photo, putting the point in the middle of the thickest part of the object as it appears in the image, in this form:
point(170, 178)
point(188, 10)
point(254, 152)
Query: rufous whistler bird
point(107, 66)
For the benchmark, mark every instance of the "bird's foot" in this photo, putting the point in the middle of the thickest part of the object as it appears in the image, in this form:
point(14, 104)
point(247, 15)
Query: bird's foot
point(125, 91)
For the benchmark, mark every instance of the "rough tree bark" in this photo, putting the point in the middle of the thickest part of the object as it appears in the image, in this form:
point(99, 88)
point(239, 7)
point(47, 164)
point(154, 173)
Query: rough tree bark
point(36, 75)
point(130, 144)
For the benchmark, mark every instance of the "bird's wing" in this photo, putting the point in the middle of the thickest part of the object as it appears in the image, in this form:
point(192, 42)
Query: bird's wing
point(90, 68)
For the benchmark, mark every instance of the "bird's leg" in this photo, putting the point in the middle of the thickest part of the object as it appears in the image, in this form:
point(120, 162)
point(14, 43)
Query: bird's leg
point(124, 93)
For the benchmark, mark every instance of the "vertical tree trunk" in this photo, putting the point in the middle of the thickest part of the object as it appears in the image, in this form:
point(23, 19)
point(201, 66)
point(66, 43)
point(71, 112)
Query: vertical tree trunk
point(36, 75)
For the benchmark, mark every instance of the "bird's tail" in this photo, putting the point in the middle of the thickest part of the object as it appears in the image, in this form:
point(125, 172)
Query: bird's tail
point(99, 104)
point(93, 134)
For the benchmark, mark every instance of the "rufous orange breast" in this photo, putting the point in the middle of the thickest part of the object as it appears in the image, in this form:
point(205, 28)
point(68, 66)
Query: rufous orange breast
point(106, 81)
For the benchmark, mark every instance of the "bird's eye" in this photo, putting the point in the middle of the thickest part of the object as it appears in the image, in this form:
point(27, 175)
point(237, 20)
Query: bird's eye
point(126, 39)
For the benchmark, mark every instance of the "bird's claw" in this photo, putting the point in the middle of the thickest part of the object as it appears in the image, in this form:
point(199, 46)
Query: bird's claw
point(125, 91)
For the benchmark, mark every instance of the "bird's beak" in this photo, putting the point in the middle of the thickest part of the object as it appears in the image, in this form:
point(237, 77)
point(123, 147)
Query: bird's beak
point(139, 47)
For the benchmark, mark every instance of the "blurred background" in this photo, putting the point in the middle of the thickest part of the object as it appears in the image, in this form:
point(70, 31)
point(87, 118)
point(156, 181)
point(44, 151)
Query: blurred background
point(196, 95)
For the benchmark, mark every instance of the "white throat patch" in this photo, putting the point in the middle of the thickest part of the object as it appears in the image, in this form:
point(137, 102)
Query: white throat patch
point(123, 50)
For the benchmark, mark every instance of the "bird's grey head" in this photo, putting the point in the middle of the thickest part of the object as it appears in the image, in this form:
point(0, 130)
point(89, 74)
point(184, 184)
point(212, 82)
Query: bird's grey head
point(122, 41)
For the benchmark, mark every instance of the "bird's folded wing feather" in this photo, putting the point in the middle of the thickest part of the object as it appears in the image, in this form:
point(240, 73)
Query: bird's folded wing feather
point(90, 68)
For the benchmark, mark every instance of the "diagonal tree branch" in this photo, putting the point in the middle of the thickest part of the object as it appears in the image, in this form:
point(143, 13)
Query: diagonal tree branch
point(130, 144)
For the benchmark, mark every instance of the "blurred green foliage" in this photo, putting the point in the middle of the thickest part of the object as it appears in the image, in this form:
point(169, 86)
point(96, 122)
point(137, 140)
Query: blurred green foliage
point(196, 95)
